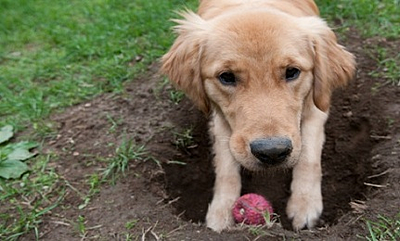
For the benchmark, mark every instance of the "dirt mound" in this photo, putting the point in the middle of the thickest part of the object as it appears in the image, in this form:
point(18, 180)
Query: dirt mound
point(167, 196)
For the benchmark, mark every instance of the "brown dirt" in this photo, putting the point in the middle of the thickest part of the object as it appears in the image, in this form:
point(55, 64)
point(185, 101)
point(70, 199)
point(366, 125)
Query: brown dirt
point(170, 200)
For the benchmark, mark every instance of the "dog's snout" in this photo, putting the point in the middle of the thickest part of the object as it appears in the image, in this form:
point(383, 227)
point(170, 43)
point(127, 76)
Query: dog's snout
point(271, 151)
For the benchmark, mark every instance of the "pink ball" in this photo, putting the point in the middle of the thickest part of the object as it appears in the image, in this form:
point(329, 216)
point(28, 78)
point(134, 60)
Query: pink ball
point(251, 209)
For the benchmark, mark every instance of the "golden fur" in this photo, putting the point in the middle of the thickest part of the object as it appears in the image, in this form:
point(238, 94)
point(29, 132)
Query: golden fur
point(258, 41)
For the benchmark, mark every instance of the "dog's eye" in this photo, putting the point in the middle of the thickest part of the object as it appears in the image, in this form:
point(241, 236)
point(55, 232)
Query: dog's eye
point(292, 73)
point(227, 78)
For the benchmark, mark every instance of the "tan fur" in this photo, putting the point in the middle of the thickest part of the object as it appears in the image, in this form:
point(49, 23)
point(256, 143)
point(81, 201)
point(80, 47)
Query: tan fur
point(257, 40)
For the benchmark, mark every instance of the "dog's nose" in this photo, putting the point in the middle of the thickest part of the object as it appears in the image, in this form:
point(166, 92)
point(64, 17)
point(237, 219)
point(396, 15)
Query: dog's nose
point(271, 151)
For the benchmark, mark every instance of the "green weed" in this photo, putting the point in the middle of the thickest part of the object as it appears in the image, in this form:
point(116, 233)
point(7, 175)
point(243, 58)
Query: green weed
point(384, 228)
point(184, 139)
point(256, 230)
point(131, 224)
point(81, 225)
point(262, 230)
point(126, 152)
point(114, 123)
point(94, 182)
point(176, 96)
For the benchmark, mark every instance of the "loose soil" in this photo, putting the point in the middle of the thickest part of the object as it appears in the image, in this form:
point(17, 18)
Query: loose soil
point(166, 197)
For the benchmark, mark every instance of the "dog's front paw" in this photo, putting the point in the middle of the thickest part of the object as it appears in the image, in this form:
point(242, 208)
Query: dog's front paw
point(304, 210)
point(219, 216)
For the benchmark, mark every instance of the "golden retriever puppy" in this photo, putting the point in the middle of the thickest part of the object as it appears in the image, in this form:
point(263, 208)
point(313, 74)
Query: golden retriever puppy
point(264, 71)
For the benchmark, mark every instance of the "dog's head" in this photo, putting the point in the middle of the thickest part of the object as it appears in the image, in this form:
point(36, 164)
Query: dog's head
point(258, 70)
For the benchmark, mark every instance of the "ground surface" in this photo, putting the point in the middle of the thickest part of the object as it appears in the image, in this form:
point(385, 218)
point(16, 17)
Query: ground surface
point(162, 198)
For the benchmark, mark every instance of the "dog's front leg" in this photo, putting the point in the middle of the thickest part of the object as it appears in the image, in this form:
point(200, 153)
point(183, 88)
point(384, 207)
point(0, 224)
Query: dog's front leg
point(305, 203)
point(227, 181)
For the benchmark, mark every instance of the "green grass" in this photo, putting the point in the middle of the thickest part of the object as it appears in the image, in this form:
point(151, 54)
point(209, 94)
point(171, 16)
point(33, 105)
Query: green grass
point(176, 96)
point(369, 17)
point(127, 151)
point(388, 66)
point(384, 228)
point(59, 53)
point(81, 226)
point(55, 55)
point(184, 139)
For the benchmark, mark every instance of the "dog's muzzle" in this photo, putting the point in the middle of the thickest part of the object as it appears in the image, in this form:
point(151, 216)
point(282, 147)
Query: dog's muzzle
point(272, 150)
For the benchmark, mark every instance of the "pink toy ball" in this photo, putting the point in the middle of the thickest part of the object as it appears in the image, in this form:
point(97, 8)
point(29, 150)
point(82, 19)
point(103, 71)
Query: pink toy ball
point(252, 209)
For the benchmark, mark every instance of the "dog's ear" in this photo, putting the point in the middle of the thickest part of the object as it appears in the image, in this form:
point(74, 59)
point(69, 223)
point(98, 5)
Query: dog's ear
point(182, 63)
point(333, 66)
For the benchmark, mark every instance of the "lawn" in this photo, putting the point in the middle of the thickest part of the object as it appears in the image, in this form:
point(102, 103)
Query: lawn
point(56, 54)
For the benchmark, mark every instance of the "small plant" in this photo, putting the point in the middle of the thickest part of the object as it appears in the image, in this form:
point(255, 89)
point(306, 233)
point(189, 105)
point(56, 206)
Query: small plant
point(80, 225)
point(184, 139)
point(127, 151)
point(176, 96)
point(94, 182)
point(128, 237)
point(388, 67)
point(256, 230)
point(131, 224)
point(270, 221)
point(12, 155)
point(384, 229)
point(114, 123)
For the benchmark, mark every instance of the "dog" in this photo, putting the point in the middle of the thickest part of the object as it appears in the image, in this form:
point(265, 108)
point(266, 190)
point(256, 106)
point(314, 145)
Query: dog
point(264, 72)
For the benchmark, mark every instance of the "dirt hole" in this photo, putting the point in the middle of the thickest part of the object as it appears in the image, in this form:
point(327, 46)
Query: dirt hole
point(346, 162)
